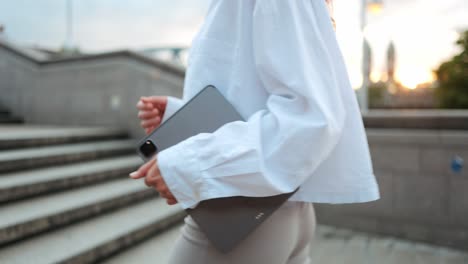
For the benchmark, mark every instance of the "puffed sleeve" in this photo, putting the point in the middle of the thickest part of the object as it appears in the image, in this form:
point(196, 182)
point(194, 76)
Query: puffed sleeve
point(278, 147)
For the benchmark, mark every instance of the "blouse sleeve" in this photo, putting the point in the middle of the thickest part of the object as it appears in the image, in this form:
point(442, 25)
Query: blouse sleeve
point(173, 104)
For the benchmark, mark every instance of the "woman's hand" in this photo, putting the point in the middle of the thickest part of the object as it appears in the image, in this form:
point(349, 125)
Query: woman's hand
point(150, 171)
point(151, 111)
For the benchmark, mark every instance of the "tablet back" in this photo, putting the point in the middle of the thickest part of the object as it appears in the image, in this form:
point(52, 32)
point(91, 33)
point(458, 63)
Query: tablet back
point(205, 112)
point(225, 221)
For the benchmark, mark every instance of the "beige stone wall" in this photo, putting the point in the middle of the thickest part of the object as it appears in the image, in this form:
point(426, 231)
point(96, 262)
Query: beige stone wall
point(421, 197)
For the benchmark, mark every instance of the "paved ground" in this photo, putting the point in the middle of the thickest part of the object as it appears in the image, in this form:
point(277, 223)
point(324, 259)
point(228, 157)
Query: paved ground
point(331, 246)
point(417, 112)
point(334, 245)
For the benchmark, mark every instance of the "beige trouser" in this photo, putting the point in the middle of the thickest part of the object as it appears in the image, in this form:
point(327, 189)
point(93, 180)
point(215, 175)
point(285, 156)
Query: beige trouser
point(283, 238)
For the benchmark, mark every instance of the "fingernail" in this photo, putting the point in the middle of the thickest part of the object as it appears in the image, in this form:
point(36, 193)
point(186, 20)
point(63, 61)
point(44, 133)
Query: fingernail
point(133, 174)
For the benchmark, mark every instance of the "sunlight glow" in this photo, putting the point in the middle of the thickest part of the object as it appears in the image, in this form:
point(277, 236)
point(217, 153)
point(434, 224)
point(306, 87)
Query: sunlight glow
point(410, 77)
point(375, 76)
point(374, 8)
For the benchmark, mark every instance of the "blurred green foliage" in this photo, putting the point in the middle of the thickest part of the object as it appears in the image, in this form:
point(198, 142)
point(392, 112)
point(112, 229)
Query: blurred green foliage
point(376, 92)
point(452, 76)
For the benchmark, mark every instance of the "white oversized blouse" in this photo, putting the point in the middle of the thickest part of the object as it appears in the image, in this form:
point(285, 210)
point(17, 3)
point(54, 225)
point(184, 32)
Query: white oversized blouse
point(279, 64)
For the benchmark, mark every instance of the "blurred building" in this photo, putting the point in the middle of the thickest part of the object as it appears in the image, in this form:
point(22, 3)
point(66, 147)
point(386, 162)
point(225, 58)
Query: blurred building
point(391, 61)
point(393, 94)
point(2, 32)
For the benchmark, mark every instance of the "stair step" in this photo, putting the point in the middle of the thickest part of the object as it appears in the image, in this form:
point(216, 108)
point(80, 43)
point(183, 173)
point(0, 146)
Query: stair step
point(10, 120)
point(24, 184)
point(22, 159)
point(158, 247)
point(22, 136)
point(25, 218)
point(96, 238)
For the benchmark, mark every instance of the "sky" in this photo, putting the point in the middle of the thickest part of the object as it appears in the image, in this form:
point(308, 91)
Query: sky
point(423, 31)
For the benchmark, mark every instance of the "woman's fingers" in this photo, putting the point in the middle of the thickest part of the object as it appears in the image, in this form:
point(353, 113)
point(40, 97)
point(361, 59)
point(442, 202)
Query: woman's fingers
point(148, 130)
point(151, 110)
point(171, 201)
point(141, 105)
point(159, 102)
point(150, 122)
point(144, 114)
point(141, 172)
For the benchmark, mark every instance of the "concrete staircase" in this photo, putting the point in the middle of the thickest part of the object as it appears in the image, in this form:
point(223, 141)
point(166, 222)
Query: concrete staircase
point(65, 195)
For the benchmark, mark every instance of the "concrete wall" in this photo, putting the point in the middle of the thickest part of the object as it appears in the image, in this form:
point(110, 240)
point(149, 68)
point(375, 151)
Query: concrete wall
point(421, 198)
point(17, 76)
point(101, 90)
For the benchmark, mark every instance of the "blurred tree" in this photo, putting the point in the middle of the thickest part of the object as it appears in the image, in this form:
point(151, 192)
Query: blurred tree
point(452, 77)
point(376, 94)
point(69, 51)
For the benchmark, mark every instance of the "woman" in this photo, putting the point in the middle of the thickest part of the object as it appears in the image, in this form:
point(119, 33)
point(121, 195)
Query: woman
point(279, 64)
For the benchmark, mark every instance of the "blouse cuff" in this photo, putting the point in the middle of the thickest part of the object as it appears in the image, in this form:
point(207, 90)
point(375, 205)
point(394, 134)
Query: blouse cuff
point(180, 171)
point(173, 104)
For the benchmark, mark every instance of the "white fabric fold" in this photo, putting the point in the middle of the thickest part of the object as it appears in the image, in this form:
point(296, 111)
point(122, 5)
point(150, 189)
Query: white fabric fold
point(282, 69)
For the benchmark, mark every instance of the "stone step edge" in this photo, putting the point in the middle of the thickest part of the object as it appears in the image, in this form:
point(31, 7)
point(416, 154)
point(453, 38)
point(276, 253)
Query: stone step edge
point(11, 120)
point(63, 159)
point(46, 187)
point(128, 240)
point(56, 140)
point(27, 229)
